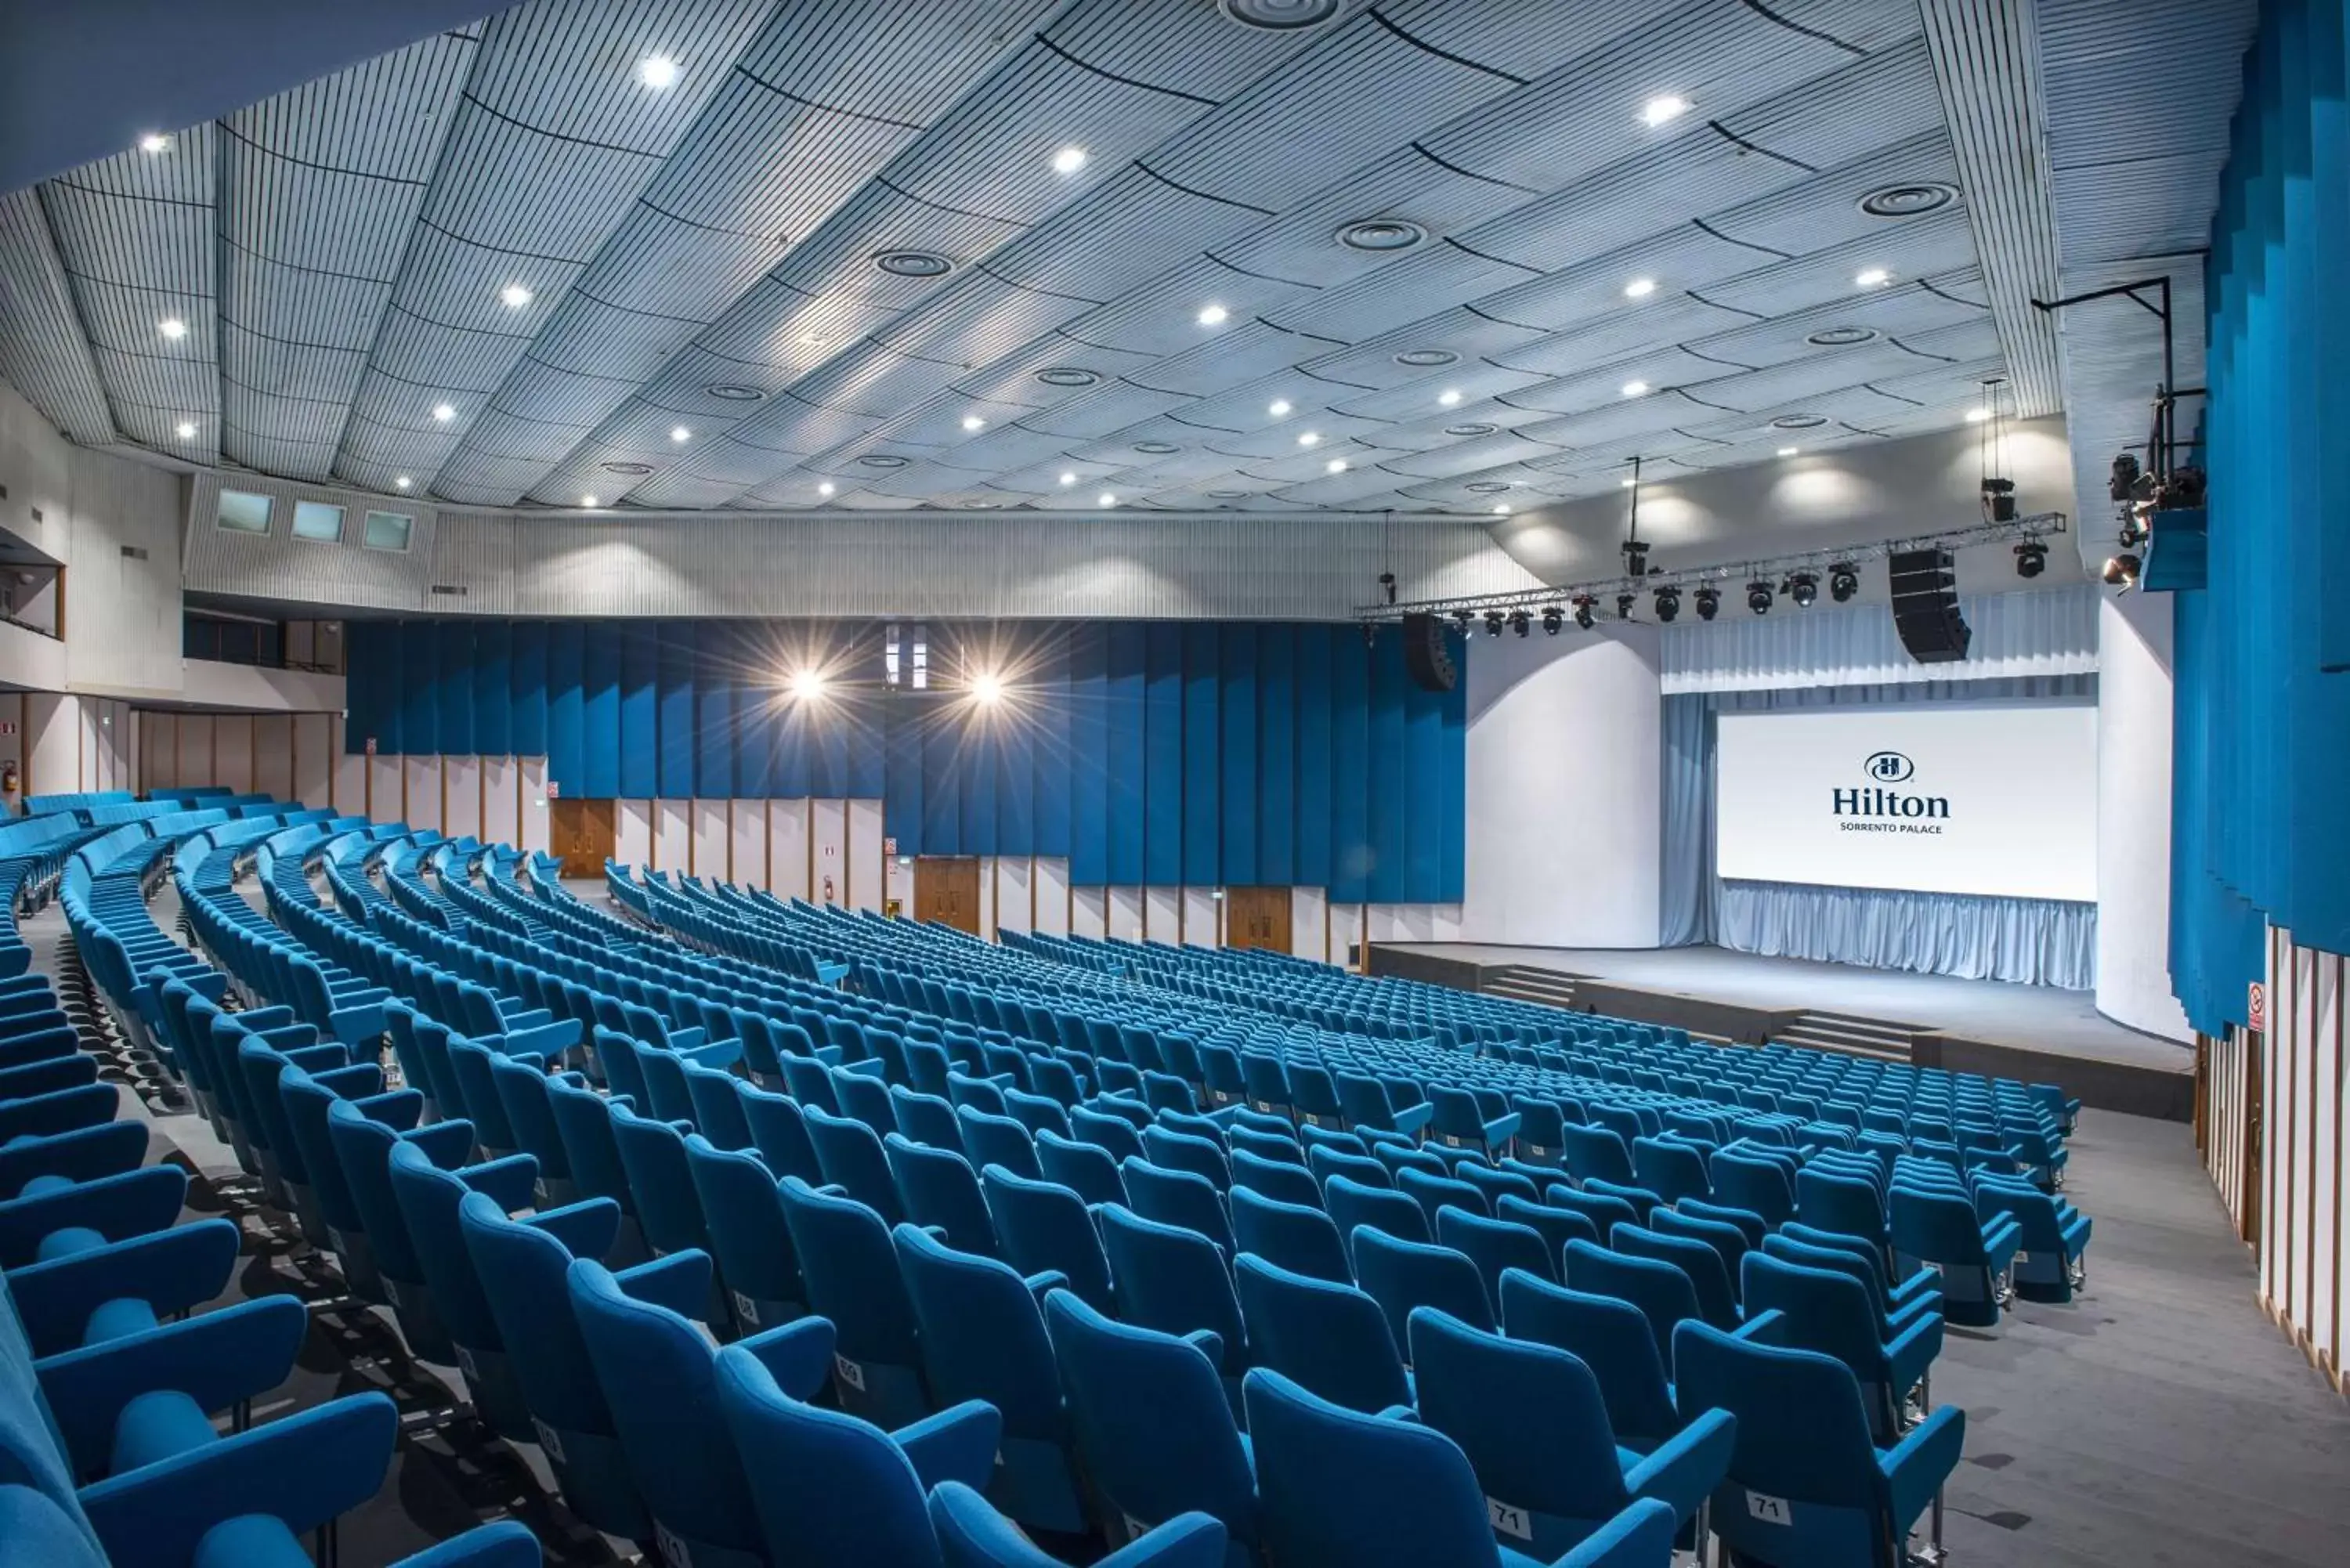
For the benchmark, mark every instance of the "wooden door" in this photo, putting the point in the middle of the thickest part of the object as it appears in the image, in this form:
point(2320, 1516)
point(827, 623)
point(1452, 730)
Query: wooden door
point(1257, 917)
point(583, 833)
point(2255, 1048)
point(946, 889)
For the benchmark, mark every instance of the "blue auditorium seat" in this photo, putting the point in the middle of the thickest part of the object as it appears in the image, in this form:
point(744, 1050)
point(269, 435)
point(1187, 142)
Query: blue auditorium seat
point(1088, 1169)
point(1354, 1207)
point(1178, 1198)
point(1973, 1255)
point(1829, 1310)
point(1043, 1227)
point(1175, 1280)
point(940, 1191)
point(1298, 1237)
point(851, 1270)
point(1330, 1338)
point(971, 1534)
point(1403, 1275)
point(1497, 1245)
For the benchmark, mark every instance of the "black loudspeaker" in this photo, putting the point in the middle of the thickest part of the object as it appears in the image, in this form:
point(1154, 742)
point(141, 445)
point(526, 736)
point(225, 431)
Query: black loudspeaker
point(1926, 606)
point(1425, 655)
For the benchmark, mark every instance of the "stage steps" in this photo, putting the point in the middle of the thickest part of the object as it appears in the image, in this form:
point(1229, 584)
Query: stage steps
point(1853, 1035)
point(1524, 982)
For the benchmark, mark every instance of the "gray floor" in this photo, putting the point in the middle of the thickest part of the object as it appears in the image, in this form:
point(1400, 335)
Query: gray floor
point(2036, 1017)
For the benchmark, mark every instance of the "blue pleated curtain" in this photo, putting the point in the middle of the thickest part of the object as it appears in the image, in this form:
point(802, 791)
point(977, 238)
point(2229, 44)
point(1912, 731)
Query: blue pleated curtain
point(2261, 726)
point(2036, 941)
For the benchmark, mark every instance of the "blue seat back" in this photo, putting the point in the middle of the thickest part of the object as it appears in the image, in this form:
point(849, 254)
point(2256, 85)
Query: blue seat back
point(1330, 1338)
point(1043, 1226)
point(1299, 1237)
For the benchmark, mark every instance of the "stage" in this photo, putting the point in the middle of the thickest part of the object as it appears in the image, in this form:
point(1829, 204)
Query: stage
point(2030, 1032)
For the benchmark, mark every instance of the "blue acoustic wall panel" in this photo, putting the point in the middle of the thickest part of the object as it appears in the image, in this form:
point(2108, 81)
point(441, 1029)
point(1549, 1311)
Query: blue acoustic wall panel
point(1201, 754)
point(567, 674)
point(1452, 765)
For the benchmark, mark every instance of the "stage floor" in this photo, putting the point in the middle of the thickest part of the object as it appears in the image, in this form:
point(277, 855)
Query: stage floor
point(2039, 1020)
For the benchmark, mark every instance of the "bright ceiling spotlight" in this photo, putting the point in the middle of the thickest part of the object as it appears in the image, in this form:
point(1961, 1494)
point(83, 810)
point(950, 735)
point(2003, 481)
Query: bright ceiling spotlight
point(1873, 277)
point(401, 482)
point(1214, 315)
point(1309, 437)
point(1804, 589)
point(1450, 396)
point(1106, 498)
point(154, 143)
point(1068, 160)
point(680, 433)
point(1635, 389)
point(1709, 603)
point(514, 295)
point(587, 501)
point(1069, 479)
point(1503, 510)
point(657, 72)
point(987, 689)
point(1663, 109)
point(1278, 408)
point(1788, 451)
point(1627, 483)
point(173, 328)
point(444, 413)
point(1844, 581)
point(1335, 465)
point(2121, 571)
point(972, 422)
point(187, 430)
point(1758, 596)
point(1640, 288)
point(1976, 416)
point(826, 488)
point(807, 685)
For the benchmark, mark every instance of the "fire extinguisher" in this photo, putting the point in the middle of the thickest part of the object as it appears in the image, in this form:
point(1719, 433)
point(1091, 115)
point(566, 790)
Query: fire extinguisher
point(9, 783)
point(828, 889)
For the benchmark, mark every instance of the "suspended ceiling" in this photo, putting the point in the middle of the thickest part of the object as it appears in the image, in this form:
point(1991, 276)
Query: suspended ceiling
point(847, 257)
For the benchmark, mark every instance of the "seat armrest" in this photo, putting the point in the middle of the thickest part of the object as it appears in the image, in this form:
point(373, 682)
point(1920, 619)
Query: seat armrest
point(116, 1207)
point(504, 1544)
point(1913, 1352)
point(1641, 1533)
point(1502, 1129)
point(1683, 1471)
point(171, 1270)
point(679, 1281)
point(510, 1182)
point(448, 1145)
point(957, 1444)
point(1412, 1119)
point(586, 1229)
point(1187, 1540)
point(1764, 1328)
point(1915, 1470)
point(1045, 1282)
point(687, 1039)
point(216, 1360)
point(797, 1355)
point(304, 1469)
point(1208, 1342)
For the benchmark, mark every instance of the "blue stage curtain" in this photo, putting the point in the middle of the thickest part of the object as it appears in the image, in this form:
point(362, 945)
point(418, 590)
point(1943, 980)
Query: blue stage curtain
point(2037, 941)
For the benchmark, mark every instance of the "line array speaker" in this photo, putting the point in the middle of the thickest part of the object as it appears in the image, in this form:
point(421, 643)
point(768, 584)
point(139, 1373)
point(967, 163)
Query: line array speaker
point(1926, 606)
point(1426, 654)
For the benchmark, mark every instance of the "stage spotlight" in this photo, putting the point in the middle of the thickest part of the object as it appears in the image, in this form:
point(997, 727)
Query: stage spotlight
point(2133, 530)
point(1709, 603)
point(1669, 603)
point(1460, 619)
point(1492, 623)
point(1624, 603)
point(1804, 589)
point(987, 690)
point(2031, 558)
point(1758, 596)
point(1520, 621)
point(1553, 618)
point(807, 685)
point(1583, 611)
point(2121, 571)
point(1844, 581)
point(2124, 476)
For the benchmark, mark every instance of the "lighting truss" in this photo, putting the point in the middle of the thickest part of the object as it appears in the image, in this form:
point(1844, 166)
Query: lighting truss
point(1776, 568)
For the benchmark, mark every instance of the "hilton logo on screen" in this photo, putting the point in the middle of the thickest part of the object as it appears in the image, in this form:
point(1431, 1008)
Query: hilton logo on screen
point(1877, 809)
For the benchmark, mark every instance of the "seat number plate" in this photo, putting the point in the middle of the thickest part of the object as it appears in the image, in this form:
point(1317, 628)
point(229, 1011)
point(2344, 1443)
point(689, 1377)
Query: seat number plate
point(1768, 1509)
point(848, 1371)
point(1509, 1519)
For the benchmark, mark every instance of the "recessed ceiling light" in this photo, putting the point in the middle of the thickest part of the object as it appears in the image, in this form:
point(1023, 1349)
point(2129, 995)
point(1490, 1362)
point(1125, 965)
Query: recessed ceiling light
point(1107, 499)
point(401, 482)
point(1069, 479)
point(656, 71)
point(187, 430)
point(1840, 337)
point(1423, 358)
point(154, 143)
point(812, 338)
point(727, 392)
point(1335, 465)
point(1663, 109)
point(1278, 408)
point(1872, 278)
point(1068, 160)
point(1640, 288)
point(1489, 487)
point(1907, 201)
point(1450, 396)
point(173, 328)
point(1157, 448)
point(444, 413)
point(680, 433)
point(632, 470)
point(1213, 316)
point(882, 460)
point(1307, 438)
point(913, 264)
point(515, 296)
point(972, 422)
point(1977, 416)
point(587, 501)
point(1799, 422)
point(1280, 16)
point(1067, 376)
point(1503, 510)
point(1787, 451)
point(1627, 483)
point(1226, 495)
point(826, 488)
point(1635, 389)
point(1469, 430)
point(1381, 234)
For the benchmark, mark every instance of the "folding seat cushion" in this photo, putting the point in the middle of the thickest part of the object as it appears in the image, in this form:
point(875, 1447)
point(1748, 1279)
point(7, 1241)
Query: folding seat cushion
point(1463, 1123)
point(831, 1491)
point(1805, 1482)
point(1532, 1423)
point(1338, 1486)
point(2052, 1239)
point(1399, 1155)
point(1299, 1237)
point(983, 1338)
point(850, 1268)
point(938, 1188)
point(751, 1245)
point(1327, 1336)
point(1401, 1275)
point(1279, 1147)
point(1042, 1227)
point(1154, 1431)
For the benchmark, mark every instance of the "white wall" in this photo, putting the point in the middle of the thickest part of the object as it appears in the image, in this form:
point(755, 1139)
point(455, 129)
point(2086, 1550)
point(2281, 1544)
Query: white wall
point(2134, 652)
point(1564, 763)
